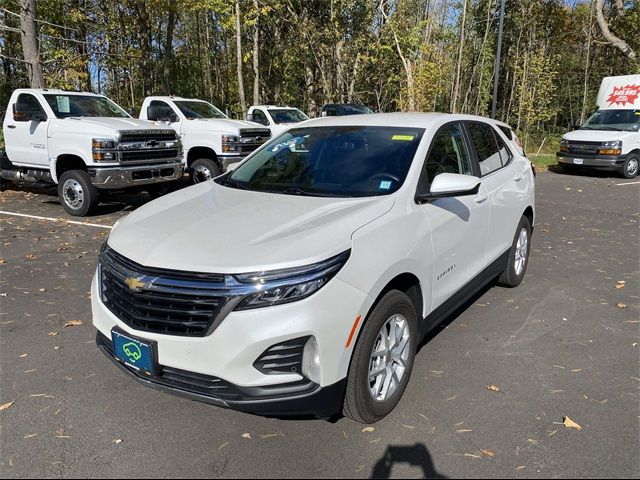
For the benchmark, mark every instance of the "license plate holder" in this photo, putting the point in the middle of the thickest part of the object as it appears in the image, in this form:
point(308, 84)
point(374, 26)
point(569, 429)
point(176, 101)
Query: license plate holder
point(578, 161)
point(135, 353)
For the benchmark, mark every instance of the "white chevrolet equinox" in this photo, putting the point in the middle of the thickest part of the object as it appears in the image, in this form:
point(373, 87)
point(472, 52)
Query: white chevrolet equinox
point(302, 281)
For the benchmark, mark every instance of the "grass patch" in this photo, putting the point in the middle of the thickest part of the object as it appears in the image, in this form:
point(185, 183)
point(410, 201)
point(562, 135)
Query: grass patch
point(543, 161)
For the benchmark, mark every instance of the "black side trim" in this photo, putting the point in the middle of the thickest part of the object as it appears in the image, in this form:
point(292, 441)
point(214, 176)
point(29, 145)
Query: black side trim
point(465, 293)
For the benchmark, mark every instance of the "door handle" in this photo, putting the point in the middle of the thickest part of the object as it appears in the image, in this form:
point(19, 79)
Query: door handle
point(481, 197)
point(11, 126)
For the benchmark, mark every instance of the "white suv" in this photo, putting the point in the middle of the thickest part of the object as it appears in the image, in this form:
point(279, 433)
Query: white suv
point(303, 281)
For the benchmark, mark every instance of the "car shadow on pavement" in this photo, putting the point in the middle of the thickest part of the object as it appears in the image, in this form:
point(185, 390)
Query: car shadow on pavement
point(413, 455)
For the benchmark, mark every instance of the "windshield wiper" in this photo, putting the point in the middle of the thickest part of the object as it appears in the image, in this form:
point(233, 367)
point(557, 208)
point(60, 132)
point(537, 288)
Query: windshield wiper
point(230, 182)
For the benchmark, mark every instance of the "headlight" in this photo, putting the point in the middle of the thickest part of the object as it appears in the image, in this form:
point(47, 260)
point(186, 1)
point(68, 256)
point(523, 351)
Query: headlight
point(564, 143)
point(611, 148)
point(229, 139)
point(230, 143)
point(288, 285)
point(100, 149)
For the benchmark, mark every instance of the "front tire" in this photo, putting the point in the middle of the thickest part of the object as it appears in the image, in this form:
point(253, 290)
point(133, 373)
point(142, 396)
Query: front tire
point(630, 167)
point(204, 169)
point(513, 275)
point(382, 359)
point(78, 195)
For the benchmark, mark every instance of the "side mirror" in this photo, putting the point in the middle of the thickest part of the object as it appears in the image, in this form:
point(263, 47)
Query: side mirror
point(152, 113)
point(21, 112)
point(159, 114)
point(250, 117)
point(324, 113)
point(450, 185)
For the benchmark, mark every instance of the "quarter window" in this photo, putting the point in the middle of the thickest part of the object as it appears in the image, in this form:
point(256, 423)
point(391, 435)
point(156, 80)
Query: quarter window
point(489, 156)
point(448, 153)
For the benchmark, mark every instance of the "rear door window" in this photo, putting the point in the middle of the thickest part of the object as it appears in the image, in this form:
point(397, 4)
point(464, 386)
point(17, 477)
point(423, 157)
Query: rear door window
point(487, 148)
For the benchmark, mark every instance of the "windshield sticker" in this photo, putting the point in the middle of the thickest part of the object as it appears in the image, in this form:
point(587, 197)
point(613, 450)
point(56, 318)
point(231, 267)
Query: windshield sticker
point(63, 104)
point(403, 138)
point(385, 185)
point(286, 144)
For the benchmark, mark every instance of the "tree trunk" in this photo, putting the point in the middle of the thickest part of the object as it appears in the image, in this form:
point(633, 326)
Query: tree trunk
point(30, 43)
point(256, 56)
point(243, 102)
point(456, 84)
point(145, 47)
point(168, 48)
point(617, 42)
point(586, 66)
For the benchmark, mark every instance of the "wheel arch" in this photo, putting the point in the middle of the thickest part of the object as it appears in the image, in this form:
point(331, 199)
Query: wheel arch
point(528, 212)
point(66, 162)
point(195, 153)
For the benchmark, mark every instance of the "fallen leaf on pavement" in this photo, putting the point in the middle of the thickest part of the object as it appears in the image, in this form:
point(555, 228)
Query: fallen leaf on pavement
point(118, 440)
point(24, 355)
point(493, 388)
point(622, 305)
point(570, 423)
point(489, 453)
point(73, 323)
point(368, 429)
point(4, 406)
point(2, 260)
point(53, 334)
point(246, 435)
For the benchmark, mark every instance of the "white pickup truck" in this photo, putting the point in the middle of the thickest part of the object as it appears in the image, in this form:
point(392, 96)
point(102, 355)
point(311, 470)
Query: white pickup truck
point(610, 139)
point(278, 119)
point(211, 140)
point(86, 144)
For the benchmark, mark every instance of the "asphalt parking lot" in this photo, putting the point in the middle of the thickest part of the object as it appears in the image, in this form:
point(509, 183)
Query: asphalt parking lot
point(566, 343)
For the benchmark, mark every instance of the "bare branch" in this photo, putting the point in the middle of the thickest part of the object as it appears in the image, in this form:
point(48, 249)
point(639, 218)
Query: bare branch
point(617, 42)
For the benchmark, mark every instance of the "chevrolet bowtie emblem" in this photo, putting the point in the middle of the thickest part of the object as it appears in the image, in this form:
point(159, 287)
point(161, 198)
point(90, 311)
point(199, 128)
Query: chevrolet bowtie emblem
point(134, 284)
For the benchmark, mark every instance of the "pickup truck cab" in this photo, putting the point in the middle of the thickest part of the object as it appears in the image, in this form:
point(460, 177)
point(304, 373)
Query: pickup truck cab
point(304, 280)
point(278, 119)
point(610, 138)
point(343, 109)
point(211, 141)
point(86, 144)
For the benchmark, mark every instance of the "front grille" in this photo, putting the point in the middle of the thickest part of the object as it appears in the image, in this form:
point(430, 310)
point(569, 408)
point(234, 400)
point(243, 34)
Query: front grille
point(142, 155)
point(163, 301)
point(285, 357)
point(147, 136)
point(251, 139)
point(584, 147)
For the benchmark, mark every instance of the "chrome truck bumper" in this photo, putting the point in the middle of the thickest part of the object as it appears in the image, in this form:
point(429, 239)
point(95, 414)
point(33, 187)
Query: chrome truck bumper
point(131, 176)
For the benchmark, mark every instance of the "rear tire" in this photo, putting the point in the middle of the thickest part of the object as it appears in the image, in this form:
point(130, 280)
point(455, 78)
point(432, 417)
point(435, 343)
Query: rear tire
point(204, 169)
point(513, 275)
point(630, 167)
point(392, 326)
point(78, 195)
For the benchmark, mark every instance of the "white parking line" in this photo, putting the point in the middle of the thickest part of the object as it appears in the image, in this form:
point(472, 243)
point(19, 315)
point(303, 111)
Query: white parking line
point(629, 183)
point(58, 220)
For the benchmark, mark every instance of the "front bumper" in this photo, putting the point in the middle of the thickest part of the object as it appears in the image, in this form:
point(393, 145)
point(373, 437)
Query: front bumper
point(600, 162)
point(130, 176)
point(297, 398)
point(228, 354)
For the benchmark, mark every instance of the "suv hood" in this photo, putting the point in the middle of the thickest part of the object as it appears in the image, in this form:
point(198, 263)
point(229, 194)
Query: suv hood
point(596, 135)
point(217, 229)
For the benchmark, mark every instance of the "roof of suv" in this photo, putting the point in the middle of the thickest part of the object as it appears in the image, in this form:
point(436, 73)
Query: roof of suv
point(420, 120)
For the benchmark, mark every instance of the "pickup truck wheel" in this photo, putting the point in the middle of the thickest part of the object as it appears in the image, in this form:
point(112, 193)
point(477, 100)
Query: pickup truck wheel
point(518, 256)
point(204, 169)
point(630, 167)
point(76, 193)
point(382, 359)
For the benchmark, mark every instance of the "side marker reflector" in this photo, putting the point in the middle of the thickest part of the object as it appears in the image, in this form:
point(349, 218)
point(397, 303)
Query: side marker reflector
point(353, 331)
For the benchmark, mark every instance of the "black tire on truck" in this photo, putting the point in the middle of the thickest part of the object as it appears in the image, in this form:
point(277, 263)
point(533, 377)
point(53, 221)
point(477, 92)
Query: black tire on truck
point(630, 167)
point(204, 169)
point(78, 195)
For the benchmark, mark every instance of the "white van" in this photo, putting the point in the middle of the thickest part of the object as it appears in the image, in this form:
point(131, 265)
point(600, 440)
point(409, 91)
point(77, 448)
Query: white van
point(610, 138)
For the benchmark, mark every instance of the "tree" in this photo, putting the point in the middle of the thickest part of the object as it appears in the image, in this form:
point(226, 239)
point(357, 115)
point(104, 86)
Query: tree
point(31, 43)
point(614, 40)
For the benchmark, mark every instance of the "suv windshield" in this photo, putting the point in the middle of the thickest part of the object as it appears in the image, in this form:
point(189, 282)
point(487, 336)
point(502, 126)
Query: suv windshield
point(344, 161)
point(287, 115)
point(65, 106)
point(618, 120)
point(193, 109)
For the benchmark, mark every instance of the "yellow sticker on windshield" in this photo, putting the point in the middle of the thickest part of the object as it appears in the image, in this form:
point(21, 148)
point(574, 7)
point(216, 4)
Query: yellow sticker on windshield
point(403, 138)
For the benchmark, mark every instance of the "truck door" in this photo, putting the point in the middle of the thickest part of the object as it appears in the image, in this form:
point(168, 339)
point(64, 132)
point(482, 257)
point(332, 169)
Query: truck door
point(25, 135)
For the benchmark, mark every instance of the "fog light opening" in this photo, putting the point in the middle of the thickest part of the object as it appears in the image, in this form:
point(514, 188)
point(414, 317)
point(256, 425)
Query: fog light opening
point(311, 361)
